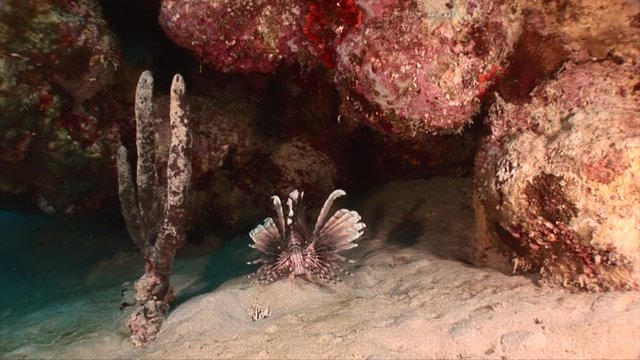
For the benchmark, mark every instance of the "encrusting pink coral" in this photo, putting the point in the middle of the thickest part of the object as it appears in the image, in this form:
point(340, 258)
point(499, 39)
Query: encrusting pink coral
point(236, 36)
point(420, 67)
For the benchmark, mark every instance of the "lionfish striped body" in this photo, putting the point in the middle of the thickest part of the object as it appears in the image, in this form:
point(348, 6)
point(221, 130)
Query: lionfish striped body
point(290, 249)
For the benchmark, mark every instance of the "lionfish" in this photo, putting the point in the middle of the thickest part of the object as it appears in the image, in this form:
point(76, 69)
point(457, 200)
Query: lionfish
point(290, 248)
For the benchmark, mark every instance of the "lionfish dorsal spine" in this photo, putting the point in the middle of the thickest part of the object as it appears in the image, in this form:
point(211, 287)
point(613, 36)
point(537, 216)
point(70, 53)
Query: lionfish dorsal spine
point(281, 225)
point(325, 209)
point(295, 197)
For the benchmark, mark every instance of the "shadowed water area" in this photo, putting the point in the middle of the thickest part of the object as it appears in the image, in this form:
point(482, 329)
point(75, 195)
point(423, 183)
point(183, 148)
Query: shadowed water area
point(64, 280)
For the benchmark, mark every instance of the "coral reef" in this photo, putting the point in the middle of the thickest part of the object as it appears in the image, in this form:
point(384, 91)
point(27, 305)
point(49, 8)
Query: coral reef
point(595, 29)
point(156, 214)
point(260, 35)
point(240, 156)
point(327, 23)
point(57, 61)
point(236, 36)
point(320, 94)
point(282, 166)
point(557, 180)
point(419, 67)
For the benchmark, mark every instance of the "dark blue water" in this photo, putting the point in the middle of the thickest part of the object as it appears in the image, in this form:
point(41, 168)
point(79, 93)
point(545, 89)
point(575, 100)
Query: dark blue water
point(44, 259)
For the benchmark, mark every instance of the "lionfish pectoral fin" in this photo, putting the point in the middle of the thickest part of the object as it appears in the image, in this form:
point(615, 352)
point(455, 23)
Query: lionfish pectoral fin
point(266, 237)
point(323, 264)
point(340, 231)
point(326, 207)
point(274, 270)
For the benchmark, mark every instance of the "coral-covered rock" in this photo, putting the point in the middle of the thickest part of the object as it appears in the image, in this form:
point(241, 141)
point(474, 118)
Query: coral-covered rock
point(224, 130)
point(326, 23)
point(417, 67)
point(236, 36)
point(301, 166)
point(536, 56)
point(260, 35)
point(557, 181)
point(57, 59)
point(591, 29)
point(284, 166)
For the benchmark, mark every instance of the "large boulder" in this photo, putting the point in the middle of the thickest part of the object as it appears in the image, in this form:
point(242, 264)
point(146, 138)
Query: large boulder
point(260, 35)
point(557, 184)
point(591, 29)
point(236, 36)
point(420, 67)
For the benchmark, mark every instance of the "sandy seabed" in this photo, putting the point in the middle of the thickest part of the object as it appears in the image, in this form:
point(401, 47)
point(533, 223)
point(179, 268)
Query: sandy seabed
point(413, 295)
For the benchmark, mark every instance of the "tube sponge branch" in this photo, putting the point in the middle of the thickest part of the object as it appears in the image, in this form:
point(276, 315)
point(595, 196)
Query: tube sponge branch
point(155, 215)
